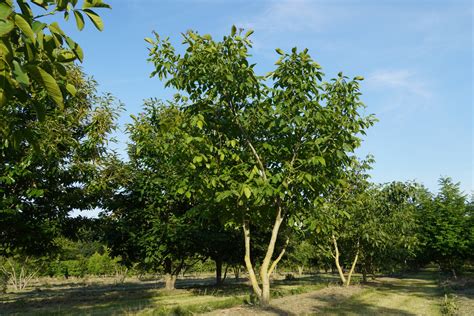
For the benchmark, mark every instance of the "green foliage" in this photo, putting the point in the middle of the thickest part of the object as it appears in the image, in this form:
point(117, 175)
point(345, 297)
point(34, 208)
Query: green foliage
point(377, 223)
point(58, 169)
point(446, 226)
point(34, 55)
point(261, 148)
point(101, 264)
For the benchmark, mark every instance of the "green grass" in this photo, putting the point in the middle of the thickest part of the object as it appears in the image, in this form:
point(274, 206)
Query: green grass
point(99, 297)
point(416, 294)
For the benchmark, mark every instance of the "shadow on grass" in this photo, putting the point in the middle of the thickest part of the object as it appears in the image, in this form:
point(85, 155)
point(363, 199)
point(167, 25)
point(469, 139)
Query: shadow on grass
point(355, 306)
point(97, 299)
point(108, 299)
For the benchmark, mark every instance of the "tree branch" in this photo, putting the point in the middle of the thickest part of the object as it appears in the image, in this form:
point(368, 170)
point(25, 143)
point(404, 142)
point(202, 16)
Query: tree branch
point(274, 264)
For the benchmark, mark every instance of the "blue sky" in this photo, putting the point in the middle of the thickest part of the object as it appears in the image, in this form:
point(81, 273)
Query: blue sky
point(416, 57)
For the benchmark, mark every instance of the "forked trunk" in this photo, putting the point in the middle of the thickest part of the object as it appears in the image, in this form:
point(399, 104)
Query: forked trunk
point(267, 267)
point(336, 259)
point(336, 255)
point(300, 271)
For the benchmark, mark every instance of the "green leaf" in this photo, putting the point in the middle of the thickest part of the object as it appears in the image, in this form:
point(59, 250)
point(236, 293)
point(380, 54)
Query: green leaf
point(95, 4)
point(71, 89)
point(49, 83)
point(95, 18)
point(249, 32)
point(233, 30)
point(279, 51)
point(54, 28)
point(79, 20)
point(66, 56)
point(6, 27)
point(247, 192)
point(149, 40)
point(75, 48)
point(5, 11)
point(20, 75)
point(35, 192)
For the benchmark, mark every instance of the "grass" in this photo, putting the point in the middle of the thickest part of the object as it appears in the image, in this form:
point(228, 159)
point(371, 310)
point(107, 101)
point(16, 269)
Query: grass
point(100, 296)
point(417, 294)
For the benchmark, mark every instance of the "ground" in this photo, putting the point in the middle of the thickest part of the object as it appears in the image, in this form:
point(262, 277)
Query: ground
point(416, 294)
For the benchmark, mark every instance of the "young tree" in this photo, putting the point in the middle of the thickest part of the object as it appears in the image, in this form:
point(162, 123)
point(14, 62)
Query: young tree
point(366, 225)
point(264, 145)
point(389, 235)
point(446, 229)
point(150, 214)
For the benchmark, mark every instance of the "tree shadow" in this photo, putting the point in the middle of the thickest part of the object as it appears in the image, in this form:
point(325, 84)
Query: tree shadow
point(97, 298)
point(355, 306)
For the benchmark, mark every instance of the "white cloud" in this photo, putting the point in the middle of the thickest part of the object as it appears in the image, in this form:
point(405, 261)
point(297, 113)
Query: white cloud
point(400, 81)
point(288, 15)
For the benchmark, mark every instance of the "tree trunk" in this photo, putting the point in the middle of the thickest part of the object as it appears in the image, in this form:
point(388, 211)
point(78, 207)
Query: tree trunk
point(170, 281)
point(300, 271)
point(265, 299)
point(353, 267)
point(218, 271)
point(267, 267)
point(248, 262)
point(170, 278)
point(236, 272)
point(336, 259)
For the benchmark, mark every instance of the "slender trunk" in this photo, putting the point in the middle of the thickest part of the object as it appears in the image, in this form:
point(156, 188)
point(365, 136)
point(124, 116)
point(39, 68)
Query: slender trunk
point(248, 262)
point(218, 270)
point(336, 259)
point(236, 272)
point(225, 274)
point(300, 271)
point(353, 266)
point(265, 268)
point(170, 278)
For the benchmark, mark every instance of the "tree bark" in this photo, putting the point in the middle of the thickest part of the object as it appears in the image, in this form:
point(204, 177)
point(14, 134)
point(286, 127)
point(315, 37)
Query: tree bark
point(267, 267)
point(170, 278)
point(300, 271)
point(236, 272)
point(336, 259)
point(218, 271)
point(353, 266)
point(248, 262)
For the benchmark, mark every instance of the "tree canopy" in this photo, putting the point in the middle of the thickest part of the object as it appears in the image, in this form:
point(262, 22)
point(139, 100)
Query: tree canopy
point(266, 146)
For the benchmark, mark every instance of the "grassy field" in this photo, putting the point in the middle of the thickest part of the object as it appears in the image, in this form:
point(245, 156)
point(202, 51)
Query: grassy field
point(421, 294)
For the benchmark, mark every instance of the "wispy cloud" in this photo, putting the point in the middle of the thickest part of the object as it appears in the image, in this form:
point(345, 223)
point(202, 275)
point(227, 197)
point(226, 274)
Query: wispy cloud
point(401, 93)
point(401, 80)
point(288, 15)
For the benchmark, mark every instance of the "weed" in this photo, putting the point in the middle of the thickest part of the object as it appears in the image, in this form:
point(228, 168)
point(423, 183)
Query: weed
point(449, 306)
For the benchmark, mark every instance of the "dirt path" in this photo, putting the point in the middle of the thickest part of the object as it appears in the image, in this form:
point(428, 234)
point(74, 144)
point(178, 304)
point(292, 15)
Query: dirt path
point(386, 296)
